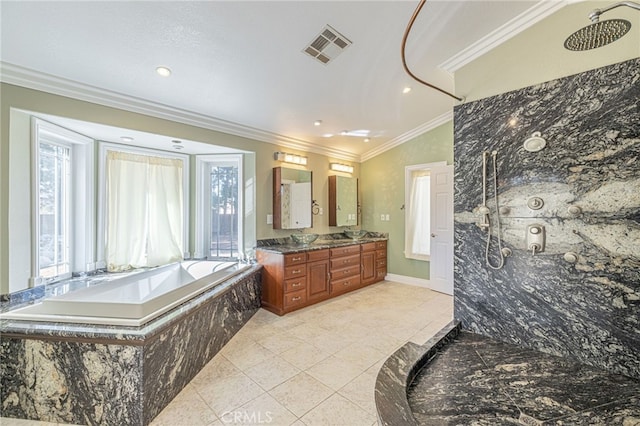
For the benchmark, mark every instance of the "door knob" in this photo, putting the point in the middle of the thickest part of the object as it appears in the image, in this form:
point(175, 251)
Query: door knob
point(433, 235)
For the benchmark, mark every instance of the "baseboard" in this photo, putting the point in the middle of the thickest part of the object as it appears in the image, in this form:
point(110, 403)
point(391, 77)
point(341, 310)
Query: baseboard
point(403, 279)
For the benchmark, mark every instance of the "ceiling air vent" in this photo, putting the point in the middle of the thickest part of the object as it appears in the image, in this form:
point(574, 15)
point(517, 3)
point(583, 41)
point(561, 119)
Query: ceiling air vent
point(327, 45)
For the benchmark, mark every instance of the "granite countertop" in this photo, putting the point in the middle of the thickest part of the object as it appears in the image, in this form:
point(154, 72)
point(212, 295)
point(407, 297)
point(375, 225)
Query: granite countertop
point(289, 247)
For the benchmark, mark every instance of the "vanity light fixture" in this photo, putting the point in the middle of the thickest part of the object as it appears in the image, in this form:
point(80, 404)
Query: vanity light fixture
point(290, 158)
point(338, 167)
point(163, 71)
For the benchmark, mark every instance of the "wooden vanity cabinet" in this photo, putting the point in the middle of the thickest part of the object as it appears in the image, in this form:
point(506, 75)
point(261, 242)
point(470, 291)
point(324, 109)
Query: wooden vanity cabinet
point(295, 280)
point(345, 269)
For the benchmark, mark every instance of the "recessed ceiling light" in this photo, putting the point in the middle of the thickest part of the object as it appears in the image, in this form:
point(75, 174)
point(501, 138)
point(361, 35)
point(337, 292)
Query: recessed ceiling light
point(176, 141)
point(163, 71)
point(513, 121)
point(406, 90)
point(126, 138)
point(317, 122)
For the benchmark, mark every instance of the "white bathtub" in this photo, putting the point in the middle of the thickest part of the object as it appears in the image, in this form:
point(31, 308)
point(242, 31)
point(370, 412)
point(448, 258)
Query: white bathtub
point(133, 299)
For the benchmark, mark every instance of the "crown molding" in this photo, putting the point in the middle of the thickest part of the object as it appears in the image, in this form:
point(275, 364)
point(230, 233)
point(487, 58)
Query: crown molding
point(31, 79)
point(503, 33)
point(405, 137)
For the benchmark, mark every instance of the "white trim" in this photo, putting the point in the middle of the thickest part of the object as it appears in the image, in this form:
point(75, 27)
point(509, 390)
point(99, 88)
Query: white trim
point(404, 279)
point(20, 76)
point(102, 193)
point(202, 217)
point(405, 137)
point(503, 33)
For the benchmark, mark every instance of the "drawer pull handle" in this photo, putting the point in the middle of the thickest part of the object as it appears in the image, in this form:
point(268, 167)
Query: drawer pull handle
point(295, 299)
point(295, 259)
point(345, 272)
point(296, 284)
point(346, 283)
point(296, 271)
point(345, 261)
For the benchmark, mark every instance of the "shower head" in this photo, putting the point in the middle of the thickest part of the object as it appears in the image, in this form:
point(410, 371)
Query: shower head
point(600, 33)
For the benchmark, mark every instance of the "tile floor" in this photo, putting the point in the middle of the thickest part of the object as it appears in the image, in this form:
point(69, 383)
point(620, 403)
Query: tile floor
point(315, 366)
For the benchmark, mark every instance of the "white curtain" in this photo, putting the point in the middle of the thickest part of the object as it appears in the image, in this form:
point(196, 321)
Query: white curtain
point(418, 241)
point(144, 210)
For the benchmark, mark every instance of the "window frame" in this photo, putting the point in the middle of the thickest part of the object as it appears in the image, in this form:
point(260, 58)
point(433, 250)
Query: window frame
point(103, 147)
point(202, 215)
point(81, 203)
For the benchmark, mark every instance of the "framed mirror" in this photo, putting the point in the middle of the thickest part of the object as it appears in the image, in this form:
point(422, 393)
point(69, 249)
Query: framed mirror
point(343, 201)
point(292, 198)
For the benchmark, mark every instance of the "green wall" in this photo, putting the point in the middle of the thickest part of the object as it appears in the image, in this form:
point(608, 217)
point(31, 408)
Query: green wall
point(383, 192)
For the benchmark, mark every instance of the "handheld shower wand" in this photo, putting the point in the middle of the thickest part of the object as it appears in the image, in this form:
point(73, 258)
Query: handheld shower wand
point(485, 211)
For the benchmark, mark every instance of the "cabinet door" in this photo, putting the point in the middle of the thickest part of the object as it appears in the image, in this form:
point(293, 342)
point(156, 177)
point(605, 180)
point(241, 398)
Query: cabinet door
point(368, 267)
point(318, 280)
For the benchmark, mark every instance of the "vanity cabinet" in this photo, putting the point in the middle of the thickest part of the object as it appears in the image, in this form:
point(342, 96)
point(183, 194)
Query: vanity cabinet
point(292, 281)
point(374, 262)
point(345, 269)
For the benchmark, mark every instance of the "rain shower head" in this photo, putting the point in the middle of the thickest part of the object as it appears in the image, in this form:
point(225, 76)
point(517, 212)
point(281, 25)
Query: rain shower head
point(597, 34)
point(600, 33)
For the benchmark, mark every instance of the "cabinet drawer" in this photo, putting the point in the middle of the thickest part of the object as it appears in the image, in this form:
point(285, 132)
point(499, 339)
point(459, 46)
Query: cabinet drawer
point(314, 255)
point(345, 272)
point(381, 262)
point(295, 298)
point(369, 246)
point(345, 251)
point(295, 271)
point(381, 245)
point(345, 284)
point(381, 273)
point(295, 284)
point(343, 262)
point(294, 258)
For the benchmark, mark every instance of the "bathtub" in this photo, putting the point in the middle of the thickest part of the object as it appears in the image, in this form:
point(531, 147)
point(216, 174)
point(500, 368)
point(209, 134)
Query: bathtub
point(131, 299)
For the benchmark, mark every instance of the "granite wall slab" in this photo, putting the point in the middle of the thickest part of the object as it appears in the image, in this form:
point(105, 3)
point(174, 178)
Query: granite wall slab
point(588, 310)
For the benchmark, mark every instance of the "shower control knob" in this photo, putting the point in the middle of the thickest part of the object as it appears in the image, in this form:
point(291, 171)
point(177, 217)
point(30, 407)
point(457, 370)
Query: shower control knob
point(535, 230)
point(570, 257)
point(535, 203)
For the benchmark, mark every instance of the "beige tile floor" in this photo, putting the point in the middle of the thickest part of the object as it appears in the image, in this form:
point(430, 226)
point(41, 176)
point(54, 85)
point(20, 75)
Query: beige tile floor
point(316, 366)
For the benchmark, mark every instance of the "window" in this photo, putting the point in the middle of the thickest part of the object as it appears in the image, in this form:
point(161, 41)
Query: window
point(417, 242)
point(54, 205)
point(145, 207)
point(218, 207)
point(62, 231)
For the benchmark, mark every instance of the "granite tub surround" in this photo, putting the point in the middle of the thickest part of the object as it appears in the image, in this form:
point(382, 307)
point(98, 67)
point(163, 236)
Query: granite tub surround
point(110, 375)
point(478, 380)
point(586, 307)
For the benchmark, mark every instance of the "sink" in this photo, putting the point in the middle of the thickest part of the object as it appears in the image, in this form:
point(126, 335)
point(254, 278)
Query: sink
point(355, 233)
point(304, 239)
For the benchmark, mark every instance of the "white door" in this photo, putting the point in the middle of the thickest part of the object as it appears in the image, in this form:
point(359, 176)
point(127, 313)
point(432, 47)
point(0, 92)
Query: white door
point(441, 266)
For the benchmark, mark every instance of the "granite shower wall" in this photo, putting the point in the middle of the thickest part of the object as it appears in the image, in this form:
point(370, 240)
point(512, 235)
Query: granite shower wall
point(588, 310)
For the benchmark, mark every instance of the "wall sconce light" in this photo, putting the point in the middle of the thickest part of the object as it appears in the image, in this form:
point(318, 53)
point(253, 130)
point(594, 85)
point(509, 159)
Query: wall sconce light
point(290, 158)
point(337, 167)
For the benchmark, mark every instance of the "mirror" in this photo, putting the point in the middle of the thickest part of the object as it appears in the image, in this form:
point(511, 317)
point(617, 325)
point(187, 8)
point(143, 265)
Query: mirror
point(291, 198)
point(343, 201)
